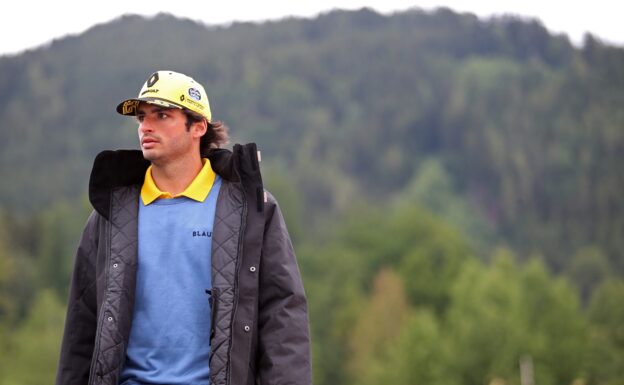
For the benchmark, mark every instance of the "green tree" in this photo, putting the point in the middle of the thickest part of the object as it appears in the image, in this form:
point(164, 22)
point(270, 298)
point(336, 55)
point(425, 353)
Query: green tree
point(33, 347)
point(380, 322)
point(419, 355)
point(433, 187)
point(482, 322)
point(606, 347)
point(556, 327)
point(501, 313)
point(588, 268)
point(431, 263)
point(18, 285)
point(58, 229)
point(332, 276)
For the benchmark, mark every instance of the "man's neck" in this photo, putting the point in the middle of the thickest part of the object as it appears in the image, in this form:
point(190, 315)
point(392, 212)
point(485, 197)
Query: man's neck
point(175, 176)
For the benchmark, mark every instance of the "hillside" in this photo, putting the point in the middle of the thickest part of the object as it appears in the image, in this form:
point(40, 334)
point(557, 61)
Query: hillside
point(523, 126)
point(453, 186)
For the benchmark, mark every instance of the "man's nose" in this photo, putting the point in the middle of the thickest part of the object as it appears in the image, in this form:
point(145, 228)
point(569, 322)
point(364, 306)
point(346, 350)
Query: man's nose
point(145, 126)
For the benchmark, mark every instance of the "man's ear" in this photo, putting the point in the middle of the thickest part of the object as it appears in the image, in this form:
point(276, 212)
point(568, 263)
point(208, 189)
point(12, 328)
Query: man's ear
point(199, 128)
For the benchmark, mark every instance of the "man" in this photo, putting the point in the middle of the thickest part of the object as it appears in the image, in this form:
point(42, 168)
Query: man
point(185, 273)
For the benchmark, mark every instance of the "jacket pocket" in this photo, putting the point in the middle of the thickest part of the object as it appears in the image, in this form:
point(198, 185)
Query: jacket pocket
point(213, 300)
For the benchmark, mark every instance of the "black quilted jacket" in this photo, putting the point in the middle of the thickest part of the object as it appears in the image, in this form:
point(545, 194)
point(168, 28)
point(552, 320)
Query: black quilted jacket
point(260, 326)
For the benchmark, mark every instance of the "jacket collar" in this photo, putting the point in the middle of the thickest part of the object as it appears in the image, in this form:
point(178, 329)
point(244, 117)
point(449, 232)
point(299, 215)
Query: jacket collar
point(120, 168)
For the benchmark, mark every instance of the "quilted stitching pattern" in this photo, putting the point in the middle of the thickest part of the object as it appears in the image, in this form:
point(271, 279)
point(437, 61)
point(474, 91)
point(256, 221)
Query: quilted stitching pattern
point(226, 232)
point(117, 310)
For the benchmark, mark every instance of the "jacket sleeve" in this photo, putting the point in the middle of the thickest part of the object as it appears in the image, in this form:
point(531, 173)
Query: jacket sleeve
point(283, 330)
point(80, 322)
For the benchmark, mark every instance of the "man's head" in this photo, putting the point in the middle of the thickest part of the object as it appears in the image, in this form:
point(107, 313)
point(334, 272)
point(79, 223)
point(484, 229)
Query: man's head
point(172, 90)
point(176, 91)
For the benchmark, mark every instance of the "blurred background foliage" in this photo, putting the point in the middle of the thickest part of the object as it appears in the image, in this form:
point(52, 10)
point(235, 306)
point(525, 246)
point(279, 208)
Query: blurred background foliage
point(453, 186)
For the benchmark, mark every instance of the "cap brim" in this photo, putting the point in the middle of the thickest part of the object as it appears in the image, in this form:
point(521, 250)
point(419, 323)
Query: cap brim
point(129, 107)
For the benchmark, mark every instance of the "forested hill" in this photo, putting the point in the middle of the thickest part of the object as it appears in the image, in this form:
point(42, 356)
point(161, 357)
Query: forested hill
point(453, 186)
point(497, 121)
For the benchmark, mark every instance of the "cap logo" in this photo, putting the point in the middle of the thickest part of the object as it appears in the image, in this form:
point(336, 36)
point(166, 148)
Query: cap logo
point(129, 107)
point(153, 79)
point(194, 93)
point(181, 98)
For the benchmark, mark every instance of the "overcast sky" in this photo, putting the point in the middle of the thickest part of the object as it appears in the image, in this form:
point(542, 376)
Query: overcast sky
point(28, 24)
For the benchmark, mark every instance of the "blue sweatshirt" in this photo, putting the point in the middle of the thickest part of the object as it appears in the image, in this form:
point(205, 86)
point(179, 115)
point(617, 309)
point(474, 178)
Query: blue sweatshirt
point(170, 335)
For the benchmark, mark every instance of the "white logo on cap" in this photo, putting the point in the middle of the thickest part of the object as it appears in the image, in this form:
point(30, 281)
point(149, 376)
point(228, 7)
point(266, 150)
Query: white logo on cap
point(194, 93)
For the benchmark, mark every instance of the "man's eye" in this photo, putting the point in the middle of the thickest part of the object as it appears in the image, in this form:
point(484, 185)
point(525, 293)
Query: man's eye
point(162, 115)
point(140, 118)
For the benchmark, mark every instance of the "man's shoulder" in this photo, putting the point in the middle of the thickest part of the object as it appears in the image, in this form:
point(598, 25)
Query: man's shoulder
point(119, 171)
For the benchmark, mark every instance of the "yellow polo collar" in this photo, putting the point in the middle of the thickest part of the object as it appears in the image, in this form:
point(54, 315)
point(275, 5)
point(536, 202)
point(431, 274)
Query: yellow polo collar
point(198, 189)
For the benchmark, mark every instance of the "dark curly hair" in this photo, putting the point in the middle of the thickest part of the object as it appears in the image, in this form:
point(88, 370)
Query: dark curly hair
point(216, 135)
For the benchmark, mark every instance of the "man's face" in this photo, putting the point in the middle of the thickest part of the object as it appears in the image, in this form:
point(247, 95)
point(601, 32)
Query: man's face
point(163, 135)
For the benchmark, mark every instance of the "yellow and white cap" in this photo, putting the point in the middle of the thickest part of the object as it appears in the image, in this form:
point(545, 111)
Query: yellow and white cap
point(171, 90)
